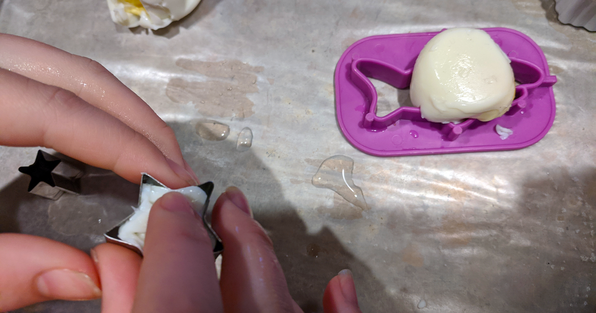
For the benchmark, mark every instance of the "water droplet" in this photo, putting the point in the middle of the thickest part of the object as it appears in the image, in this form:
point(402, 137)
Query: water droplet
point(244, 139)
point(522, 112)
point(421, 304)
point(434, 48)
point(212, 130)
point(229, 88)
point(335, 173)
point(414, 133)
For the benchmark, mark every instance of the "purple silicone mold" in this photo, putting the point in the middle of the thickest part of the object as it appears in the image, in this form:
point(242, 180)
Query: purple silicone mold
point(391, 58)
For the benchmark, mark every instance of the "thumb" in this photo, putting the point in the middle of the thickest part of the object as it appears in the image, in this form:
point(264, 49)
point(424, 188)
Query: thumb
point(35, 269)
point(178, 270)
point(340, 294)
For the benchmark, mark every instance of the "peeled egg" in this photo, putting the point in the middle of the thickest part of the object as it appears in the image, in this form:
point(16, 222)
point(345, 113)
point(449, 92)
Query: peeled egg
point(133, 231)
point(462, 73)
point(153, 14)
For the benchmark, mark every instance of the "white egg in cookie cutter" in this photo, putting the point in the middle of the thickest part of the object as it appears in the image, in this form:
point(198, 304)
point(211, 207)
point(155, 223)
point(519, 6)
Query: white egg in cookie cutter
point(147, 182)
point(391, 58)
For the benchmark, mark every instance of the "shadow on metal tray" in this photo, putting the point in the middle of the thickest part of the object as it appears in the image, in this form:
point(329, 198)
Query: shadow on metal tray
point(309, 261)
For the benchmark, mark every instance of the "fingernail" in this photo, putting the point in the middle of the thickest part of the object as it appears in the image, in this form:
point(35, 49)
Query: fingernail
point(191, 172)
point(348, 289)
point(238, 198)
point(182, 173)
point(94, 257)
point(176, 202)
point(67, 285)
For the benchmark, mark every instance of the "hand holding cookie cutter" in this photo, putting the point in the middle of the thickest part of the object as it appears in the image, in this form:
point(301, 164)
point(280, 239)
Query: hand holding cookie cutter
point(391, 58)
point(112, 235)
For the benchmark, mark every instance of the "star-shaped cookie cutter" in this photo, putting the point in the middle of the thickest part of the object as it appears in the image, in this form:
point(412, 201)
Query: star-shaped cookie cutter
point(51, 176)
point(112, 235)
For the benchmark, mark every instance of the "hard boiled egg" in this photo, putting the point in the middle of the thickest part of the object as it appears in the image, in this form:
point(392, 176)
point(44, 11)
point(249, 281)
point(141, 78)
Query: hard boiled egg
point(153, 14)
point(462, 73)
point(133, 231)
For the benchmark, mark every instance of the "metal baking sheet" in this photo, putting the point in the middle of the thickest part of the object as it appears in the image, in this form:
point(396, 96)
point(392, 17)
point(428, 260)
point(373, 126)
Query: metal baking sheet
point(476, 232)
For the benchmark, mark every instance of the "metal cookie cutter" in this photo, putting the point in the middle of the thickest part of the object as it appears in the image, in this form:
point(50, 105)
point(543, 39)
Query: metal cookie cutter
point(51, 177)
point(112, 235)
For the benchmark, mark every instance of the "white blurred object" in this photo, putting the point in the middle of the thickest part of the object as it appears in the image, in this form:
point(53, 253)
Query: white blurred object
point(153, 14)
point(503, 132)
point(581, 13)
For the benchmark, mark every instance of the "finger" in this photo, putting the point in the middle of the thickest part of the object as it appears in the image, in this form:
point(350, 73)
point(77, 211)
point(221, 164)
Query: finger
point(34, 114)
point(178, 271)
point(118, 269)
point(340, 294)
point(297, 308)
point(35, 269)
point(90, 81)
point(251, 279)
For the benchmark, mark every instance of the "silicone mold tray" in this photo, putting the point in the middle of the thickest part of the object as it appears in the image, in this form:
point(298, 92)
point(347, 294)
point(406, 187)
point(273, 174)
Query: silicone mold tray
point(391, 58)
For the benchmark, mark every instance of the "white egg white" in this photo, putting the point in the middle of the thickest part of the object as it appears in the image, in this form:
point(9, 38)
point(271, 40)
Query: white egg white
point(134, 230)
point(462, 73)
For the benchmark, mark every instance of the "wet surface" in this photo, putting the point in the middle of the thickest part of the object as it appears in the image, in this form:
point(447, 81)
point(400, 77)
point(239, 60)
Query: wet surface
point(479, 232)
point(224, 91)
point(212, 130)
point(244, 141)
point(335, 173)
point(390, 98)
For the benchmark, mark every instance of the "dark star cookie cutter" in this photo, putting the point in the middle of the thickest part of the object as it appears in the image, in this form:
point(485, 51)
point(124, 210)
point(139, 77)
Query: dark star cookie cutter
point(51, 176)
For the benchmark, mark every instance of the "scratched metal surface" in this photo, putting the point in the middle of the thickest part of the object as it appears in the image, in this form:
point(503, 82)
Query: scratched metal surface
point(479, 232)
